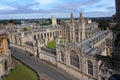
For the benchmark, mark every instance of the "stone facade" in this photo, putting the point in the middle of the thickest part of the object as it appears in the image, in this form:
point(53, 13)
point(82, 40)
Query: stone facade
point(77, 56)
point(5, 56)
point(54, 21)
point(82, 41)
point(116, 40)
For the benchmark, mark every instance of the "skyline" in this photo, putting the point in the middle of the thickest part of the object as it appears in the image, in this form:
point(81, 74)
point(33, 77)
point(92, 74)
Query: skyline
point(17, 9)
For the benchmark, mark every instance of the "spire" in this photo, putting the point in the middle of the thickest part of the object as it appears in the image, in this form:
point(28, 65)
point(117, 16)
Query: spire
point(81, 19)
point(71, 18)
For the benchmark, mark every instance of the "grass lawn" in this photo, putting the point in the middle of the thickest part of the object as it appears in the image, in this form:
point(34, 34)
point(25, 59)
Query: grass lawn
point(52, 44)
point(22, 72)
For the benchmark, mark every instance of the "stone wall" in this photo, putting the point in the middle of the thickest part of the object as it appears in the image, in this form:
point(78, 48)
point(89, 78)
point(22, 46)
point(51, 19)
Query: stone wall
point(48, 57)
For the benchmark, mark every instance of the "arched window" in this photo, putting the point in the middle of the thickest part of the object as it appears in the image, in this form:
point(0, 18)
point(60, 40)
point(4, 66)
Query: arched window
point(90, 67)
point(34, 37)
point(74, 59)
point(6, 65)
point(15, 39)
point(62, 56)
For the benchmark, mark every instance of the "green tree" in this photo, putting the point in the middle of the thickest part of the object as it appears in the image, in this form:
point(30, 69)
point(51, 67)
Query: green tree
point(25, 29)
point(103, 24)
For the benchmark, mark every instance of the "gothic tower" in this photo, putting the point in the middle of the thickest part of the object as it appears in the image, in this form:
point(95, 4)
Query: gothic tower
point(81, 19)
point(71, 18)
point(54, 21)
point(82, 22)
point(118, 10)
point(72, 28)
point(116, 38)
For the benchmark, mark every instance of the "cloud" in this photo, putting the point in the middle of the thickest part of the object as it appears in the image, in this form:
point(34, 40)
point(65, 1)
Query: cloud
point(63, 7)
point(6, 7)
point(9, 0)
point(45, 2)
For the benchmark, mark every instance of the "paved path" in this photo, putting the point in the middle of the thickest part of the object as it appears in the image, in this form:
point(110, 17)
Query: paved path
point(38, 66)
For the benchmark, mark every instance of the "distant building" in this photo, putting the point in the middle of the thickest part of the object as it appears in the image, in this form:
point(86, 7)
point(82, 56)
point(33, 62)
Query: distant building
point(54, 21)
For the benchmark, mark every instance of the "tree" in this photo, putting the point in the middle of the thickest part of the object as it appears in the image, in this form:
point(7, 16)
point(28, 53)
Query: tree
point(103, 24)
point(14, 21)
point(25, 29)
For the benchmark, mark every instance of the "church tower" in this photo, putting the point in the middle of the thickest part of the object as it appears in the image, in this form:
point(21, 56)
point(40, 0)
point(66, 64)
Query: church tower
point(71, 18)
point(116, 38)
point(81, 19)
point(72, 28)
point(82, 23)
point(54, 21)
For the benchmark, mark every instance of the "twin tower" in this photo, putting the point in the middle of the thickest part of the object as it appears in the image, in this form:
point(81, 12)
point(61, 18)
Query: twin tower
point(54, 21)
point(81, 19)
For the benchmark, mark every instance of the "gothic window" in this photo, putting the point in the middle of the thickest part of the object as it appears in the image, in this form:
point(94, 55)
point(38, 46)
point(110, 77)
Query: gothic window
point(15, 39)
point(34, 37)
point(38, 35)
point(45, 35)
point(90, 67)
point(6, 65)
point(20, 42)
point(42, 36)
point(74, 59)
point(62, 57)
point(51, 34)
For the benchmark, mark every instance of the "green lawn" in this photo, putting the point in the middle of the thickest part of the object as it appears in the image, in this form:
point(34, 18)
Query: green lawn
point(22, 72)
point(52, 44)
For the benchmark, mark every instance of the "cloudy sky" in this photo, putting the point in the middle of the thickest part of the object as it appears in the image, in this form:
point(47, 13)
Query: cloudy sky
point(60, 8)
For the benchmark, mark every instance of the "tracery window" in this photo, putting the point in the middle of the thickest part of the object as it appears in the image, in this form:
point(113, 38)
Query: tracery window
point(90, 67)
point(62, 56)
point(74, 59)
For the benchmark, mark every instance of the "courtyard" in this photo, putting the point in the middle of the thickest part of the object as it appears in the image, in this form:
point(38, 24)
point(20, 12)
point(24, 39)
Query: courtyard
point(51, 44)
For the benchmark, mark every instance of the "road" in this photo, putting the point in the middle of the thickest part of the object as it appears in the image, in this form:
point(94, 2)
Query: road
point(37, 65)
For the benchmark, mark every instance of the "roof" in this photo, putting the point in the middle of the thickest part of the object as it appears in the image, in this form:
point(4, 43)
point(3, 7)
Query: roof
point(29, 43)
point(2, 32)
point(86, 45)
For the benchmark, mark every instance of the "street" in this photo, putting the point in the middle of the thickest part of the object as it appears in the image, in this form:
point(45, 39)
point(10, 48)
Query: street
point(37, 65)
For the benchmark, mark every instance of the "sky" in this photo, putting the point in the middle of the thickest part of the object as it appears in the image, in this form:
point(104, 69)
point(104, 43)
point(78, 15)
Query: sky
point(25, 9)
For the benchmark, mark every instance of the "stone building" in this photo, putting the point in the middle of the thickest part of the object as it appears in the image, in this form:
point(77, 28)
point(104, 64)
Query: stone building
point(5, 56)
point(82, 41)
point(28, 40)
point(115, 64)
point(54, 21)
point(77, 56)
